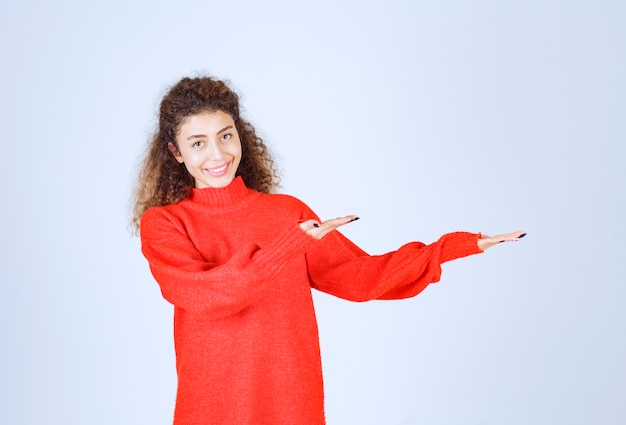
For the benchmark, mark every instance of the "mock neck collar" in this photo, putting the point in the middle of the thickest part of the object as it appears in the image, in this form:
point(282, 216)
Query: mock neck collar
point(224, 197)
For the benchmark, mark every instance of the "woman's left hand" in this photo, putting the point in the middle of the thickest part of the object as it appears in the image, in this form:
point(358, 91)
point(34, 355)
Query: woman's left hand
point(318, 230)
point(489, 241)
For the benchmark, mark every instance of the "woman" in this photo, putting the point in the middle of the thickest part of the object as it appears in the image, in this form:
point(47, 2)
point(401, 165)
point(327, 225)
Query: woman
point(238, 261)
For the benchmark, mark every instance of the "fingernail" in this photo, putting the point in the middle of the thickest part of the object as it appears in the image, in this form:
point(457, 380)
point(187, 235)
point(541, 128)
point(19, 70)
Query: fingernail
point(521, 236)
point(354, 219)
point(316, 225)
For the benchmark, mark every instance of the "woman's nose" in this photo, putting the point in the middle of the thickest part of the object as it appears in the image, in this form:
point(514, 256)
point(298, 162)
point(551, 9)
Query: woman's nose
point(215, 151)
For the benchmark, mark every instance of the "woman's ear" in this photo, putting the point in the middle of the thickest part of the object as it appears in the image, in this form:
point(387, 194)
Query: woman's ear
point(175, 152)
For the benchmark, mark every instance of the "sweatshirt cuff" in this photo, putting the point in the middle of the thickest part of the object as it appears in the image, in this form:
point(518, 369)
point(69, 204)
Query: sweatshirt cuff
point(291, 243)
point(459, 244)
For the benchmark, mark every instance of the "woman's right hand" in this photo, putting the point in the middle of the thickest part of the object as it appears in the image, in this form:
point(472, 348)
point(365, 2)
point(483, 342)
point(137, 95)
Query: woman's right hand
point(318, 230)
point(488, 241)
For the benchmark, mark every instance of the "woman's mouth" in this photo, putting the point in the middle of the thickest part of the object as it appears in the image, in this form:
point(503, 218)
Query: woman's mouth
point(218, 171)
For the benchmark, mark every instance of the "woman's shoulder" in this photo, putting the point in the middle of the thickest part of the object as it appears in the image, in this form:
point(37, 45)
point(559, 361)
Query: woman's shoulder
point(163, 210)
point(179, 215)
point(154, 216)
point(284, 200)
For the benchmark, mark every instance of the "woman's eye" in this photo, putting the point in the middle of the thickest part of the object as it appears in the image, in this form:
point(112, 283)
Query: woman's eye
point(226, 136)
point(197, 144)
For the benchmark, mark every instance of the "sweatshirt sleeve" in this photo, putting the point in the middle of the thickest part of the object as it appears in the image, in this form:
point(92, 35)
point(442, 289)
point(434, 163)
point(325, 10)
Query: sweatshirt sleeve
point(339, 267)
point(190, 282)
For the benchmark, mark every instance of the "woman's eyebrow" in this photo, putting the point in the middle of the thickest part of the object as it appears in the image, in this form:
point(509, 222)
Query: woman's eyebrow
point(196, 136)
point(224, 129)
point(199, 136)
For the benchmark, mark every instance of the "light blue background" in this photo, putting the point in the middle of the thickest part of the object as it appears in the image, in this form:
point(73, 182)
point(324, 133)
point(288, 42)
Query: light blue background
point(422, 117)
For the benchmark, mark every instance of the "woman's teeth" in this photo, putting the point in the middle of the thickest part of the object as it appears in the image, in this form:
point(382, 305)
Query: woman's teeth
point(217, 170)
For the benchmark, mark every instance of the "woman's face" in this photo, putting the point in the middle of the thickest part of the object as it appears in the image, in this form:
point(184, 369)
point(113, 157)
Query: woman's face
point(209, 146)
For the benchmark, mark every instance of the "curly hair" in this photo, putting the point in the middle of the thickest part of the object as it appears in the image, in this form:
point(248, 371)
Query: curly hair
point(162, 180)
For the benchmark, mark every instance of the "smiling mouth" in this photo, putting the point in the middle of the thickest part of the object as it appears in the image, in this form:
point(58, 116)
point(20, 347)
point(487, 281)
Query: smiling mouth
point(218, 171)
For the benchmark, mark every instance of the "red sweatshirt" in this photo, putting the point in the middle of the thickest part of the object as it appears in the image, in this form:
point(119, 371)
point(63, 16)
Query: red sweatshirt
point(238, 270)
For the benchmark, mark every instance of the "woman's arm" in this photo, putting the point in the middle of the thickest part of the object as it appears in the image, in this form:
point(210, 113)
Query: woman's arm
point(339, 267)
point(194, 284)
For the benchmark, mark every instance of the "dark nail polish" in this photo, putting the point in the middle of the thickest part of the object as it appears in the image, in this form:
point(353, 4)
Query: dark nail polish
point(354, 219)
point(521, 236)
point(316, 225)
